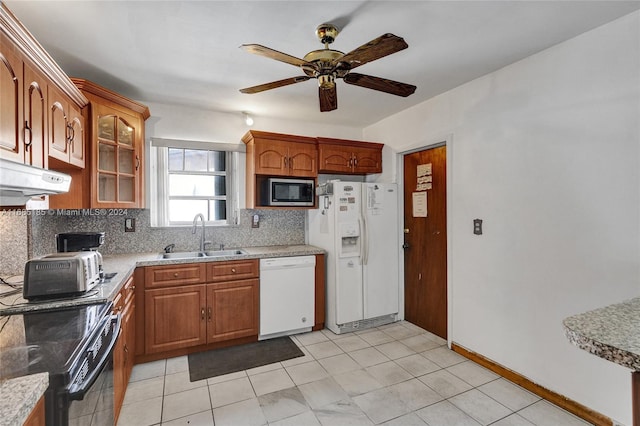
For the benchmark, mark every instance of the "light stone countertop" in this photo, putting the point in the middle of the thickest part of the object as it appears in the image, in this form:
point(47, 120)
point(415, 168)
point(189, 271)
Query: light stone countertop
point(124, 265)
point(19, 396)
point(612, 332)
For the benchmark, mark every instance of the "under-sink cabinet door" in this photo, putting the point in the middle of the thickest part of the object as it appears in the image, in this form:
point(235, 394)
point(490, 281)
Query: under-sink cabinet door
point(232, 310)
point(175, 318)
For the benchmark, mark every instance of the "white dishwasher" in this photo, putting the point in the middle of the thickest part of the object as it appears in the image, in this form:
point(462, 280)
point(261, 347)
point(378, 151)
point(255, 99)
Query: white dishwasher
point(287, 295)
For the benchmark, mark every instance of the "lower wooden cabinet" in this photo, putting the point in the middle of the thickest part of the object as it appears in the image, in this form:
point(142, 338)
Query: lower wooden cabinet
point(232, 310)
point(124, 352)
point(183, 316)
point(175, 318)
point(37, 415)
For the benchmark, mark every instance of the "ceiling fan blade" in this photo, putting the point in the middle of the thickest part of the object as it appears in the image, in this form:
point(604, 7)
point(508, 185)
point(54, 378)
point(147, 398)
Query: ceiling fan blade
point(377, 48)
point(267, 52)
point(274, 84)
point(380, 84)
point(328, 99)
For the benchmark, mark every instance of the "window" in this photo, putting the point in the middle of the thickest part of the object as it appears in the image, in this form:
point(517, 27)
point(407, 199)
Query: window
point(189, 181)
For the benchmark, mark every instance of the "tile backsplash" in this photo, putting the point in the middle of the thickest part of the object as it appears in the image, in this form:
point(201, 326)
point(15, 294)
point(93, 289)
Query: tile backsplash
point(25, 237)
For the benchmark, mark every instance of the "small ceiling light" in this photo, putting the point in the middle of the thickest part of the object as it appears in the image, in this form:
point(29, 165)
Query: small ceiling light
point(247, 119)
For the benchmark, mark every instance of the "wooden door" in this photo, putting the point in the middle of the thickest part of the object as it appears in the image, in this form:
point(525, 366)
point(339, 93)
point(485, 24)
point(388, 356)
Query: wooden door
point(58, 134)
point(303, 160)
point(425, 256)
point(11, 146)
point(75, 135)
point(335, 159)
point(232, 310)
point(35, 117)
point(270, 158)
point(175, 318)
point(367, 160)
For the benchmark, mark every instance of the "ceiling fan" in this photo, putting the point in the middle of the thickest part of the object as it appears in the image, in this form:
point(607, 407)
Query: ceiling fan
point(326, 65)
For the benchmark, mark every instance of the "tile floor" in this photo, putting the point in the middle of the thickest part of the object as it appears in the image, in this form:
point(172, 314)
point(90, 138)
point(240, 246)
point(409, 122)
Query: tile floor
point(397, 374)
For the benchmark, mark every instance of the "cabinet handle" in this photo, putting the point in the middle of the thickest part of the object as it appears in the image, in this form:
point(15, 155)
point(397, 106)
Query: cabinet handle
point(137, 163)
point(202, 313)
point(27, 128)
point(209, 313)
point(355, 161)
point(71, 134)
point(285, 163)
point(290, 163)
point(233, 270)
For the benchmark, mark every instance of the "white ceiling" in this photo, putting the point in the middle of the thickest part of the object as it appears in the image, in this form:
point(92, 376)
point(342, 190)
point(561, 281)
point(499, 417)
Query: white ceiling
point(186, 52)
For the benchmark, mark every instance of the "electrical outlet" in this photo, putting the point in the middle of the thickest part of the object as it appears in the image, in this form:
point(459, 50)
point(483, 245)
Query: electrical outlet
point(477, 226)
point(129, 225)
point(255, 223)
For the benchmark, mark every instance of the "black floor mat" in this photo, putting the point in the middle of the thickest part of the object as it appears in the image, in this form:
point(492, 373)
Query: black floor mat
point(217, 362)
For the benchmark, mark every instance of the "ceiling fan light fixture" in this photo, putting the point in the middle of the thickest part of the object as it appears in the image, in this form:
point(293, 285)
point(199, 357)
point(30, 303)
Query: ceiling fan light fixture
point(326, 81)
point(248, 120)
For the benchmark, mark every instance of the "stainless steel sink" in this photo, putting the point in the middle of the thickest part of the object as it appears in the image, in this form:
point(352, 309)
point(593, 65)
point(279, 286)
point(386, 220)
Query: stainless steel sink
point(182, 255)
point(195, 254)
point(220, 253)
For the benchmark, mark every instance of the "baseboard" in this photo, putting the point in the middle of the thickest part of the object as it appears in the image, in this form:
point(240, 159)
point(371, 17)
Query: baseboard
point(561, 401)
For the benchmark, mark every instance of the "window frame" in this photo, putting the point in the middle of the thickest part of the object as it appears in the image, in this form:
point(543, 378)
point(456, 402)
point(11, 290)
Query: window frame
point(159, 174)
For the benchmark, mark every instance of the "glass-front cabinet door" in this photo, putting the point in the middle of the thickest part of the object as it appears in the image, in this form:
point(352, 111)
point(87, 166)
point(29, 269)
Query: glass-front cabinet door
point(118, 159)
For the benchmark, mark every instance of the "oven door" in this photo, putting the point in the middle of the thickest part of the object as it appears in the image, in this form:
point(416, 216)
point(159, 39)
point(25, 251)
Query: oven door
point(90, 398)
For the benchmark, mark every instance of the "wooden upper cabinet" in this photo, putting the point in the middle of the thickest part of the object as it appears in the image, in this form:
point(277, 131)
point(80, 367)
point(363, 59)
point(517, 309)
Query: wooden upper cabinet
point(40, 108)
point(76, 137)
point(349, 157)
point(276, 154)
point(116, 146)
point(66, 131)
point(11, 84)
point(35, 118)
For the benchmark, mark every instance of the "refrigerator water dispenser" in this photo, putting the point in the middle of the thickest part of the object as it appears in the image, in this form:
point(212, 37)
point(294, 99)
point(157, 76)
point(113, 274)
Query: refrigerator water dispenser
point(350, 239)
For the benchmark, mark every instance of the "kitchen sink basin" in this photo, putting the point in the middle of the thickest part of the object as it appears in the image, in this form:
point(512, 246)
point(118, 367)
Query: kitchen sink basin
point(182, 255)
point(193, 254)
point(220, 253)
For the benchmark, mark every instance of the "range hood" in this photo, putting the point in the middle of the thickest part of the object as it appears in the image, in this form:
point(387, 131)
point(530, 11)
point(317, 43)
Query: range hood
point(20, 182)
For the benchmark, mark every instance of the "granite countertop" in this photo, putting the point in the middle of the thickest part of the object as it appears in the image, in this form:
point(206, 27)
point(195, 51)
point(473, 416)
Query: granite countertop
point(612, 332)
point(19, 396)
point(124, 265)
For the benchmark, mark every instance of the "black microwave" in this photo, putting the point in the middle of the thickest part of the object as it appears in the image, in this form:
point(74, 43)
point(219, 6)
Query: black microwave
point(287, 192)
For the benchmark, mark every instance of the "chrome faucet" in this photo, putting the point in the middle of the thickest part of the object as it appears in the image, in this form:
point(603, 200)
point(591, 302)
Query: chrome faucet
point(195, 225)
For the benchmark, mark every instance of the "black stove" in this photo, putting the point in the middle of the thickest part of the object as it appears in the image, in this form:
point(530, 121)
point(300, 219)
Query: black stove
point(74, 345)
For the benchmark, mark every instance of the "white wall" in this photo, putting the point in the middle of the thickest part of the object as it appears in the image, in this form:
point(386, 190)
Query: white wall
point(547, 152)
point(180, 122)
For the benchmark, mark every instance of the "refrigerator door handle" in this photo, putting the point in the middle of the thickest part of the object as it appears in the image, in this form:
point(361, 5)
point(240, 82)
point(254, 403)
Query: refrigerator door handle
point(364, 240)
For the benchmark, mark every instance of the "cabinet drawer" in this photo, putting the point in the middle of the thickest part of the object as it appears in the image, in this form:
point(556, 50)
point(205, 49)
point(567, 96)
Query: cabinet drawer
point(172, 275)
point(232, 270)
point(128, 291)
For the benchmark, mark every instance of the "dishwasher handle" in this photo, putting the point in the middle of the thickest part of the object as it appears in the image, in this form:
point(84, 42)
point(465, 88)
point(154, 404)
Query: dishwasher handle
point(287, 263)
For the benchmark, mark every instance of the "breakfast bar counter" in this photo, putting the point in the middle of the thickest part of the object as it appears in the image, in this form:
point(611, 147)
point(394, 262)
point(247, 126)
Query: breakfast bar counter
point(19, 397)
point(612, 333)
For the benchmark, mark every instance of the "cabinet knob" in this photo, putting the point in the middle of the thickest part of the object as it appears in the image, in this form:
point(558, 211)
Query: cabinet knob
point(133, 287)
point(175, 274)
point(233, 270)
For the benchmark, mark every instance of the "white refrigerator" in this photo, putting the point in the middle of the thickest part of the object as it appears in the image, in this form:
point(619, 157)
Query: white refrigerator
point(357, 224)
